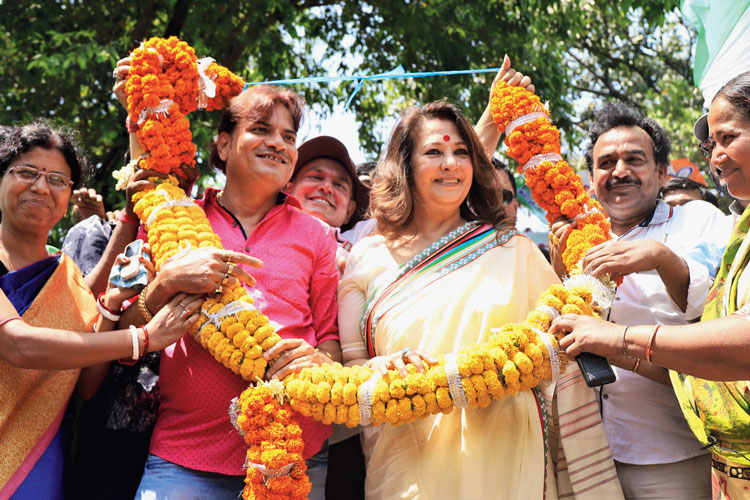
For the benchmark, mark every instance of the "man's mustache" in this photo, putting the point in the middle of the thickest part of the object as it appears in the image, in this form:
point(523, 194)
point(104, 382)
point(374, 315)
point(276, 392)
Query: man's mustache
point(622, 182)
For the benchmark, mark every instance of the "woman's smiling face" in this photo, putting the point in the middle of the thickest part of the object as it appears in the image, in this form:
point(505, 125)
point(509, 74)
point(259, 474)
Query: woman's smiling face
point(442, 166)
point(729, 133)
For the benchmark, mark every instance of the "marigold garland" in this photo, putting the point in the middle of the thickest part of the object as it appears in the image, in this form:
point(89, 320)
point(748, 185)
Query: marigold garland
point(166, 84)
point(555, 186)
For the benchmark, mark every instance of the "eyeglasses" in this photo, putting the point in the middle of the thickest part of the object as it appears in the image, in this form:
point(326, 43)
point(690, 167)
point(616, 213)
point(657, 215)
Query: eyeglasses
point(508, 197)
point(707, 148)
point(30, 175)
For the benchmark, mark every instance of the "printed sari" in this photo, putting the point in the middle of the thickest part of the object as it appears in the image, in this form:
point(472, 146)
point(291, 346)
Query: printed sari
point(452, 294)
point(719, 412)
point(49, 293)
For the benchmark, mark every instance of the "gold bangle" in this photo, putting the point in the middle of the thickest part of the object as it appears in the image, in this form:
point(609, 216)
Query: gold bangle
point(636, 365)
point(650, 343)
point(625, 345)
point(143, 307)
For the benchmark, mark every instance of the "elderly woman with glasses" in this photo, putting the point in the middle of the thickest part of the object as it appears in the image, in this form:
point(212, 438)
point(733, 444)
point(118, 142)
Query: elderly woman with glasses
point(709, 361)
point(44, 295)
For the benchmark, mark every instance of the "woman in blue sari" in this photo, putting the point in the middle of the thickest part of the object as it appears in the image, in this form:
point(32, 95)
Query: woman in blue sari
point(40, 367)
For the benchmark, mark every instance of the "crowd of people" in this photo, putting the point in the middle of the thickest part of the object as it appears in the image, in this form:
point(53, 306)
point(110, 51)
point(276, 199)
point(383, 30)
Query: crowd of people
point(102, 395)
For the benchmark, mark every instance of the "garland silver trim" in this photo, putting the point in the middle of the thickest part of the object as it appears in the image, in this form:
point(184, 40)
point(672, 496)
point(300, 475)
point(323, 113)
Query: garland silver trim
point(160, 110)
point(364, 398)
point(550, 311)
point(269, 473)
point(536, 160)
point(601, 293)
point(522, 120)
point(206, 85)
point(554, 355)
point(454, 381)
point(228, 310)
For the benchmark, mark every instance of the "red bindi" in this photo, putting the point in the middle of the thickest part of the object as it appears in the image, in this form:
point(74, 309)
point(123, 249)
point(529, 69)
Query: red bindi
point(446, 138)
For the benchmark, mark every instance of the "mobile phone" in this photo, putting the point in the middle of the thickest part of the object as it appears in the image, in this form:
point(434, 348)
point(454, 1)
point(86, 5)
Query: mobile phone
point(133, 252)
point(134, 273)
point(595, 369)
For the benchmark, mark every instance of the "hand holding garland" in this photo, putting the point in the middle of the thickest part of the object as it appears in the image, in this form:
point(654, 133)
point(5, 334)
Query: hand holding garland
point(488, 134)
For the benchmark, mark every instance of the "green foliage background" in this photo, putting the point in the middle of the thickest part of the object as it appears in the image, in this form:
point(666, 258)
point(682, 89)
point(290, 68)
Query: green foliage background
point(56, 59)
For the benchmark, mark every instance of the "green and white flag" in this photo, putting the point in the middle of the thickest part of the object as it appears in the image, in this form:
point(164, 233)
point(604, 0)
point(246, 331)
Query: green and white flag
point(723, 47)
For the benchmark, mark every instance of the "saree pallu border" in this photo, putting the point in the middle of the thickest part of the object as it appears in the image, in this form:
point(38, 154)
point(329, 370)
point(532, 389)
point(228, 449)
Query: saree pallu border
point(451, 252)
point(33, 401)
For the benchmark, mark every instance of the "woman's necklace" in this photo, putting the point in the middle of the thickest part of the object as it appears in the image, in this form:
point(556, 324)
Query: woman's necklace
point(7, 258)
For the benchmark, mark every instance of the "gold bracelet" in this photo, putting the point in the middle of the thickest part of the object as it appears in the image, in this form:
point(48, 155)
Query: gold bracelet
point(625, 345)
point(142, 306)
point(636, 365)
point(650, 344)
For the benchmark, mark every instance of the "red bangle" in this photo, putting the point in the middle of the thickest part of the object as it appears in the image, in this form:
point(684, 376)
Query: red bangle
point(145, 342)
point(8, 320)
point(132, 129)
point(110, 311)
point(128, 218)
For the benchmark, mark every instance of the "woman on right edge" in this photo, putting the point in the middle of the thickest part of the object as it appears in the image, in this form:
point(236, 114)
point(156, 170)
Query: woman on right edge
point(711, 359)
point(419, 293)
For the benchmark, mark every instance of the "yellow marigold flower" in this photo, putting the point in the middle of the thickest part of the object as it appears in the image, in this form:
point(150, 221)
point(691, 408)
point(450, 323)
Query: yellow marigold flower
point(226, 322)
point(535, 354)
point(404, 409)
point(254, 352)
point(381, 391)
point(499, 356)
point(337, 393)
point(342, 414)
point(260, 367)
point(448, 410)
point(528, 381)
point(396, 388)
point(323, 392)
point(329, 414)
point(236, 360)
point(263, 333)
point(215, 308)
point(304, 408)
point(523, 363)
point(391, 412)
point(431, 401)
point(214, 340)
point(571, 309)
point(418, 406)
point(248, 343)
point(494, 386)
point(443, 397)
point(350, 394)
point(469, 392)
point(510, 373)
point(480, 386)
point(551, 300)
point(226, 354)
point(317, 376)
point(270, 341)
point(484, 400)
point(437, 376)
point(317, 411)
point(342, 376)
point(246, 368)
point(352, 419)
point(239, 336)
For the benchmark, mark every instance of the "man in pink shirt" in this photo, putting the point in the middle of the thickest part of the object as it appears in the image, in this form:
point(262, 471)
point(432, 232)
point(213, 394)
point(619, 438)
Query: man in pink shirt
point(194, 449)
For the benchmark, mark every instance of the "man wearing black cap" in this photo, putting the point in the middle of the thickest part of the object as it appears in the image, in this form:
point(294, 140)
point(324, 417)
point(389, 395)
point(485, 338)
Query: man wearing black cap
point(326, 184)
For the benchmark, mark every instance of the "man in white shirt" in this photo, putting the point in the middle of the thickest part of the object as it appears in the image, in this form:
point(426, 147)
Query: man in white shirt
point(666, 257)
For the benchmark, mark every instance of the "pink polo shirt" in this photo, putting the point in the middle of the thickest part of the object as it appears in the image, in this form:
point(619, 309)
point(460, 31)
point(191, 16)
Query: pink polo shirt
point(296, 289)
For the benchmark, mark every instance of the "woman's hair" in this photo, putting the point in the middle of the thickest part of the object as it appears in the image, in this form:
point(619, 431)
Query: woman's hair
point(392, 198)
point(254, 104)
point(15, 141)
point(737, 92)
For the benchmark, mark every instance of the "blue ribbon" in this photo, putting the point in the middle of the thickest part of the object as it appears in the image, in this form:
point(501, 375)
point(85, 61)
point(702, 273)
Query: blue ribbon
point(395, 73)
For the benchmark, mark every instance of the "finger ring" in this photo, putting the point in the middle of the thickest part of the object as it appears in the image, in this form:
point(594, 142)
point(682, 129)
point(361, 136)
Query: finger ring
point(229, 259)
point(218, 289)
point(226, 278)
point(185, 314)
point(114, 74)
point(404, 351)
point(555, 240)
point(230, 269)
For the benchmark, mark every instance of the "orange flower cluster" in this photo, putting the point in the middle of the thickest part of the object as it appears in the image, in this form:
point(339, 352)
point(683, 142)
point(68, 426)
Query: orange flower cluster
point(162, 89)
point(554, 185)
point(275, 468)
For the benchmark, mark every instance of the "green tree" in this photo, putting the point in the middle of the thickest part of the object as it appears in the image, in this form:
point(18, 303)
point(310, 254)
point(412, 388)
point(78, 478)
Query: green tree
point(58, 56)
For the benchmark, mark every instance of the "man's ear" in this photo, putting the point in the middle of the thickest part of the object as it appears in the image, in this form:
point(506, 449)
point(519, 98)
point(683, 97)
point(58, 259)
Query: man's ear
point(350, 210)
point(661, 171)
point(223, 142)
